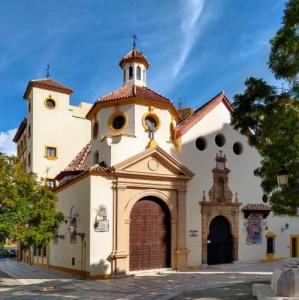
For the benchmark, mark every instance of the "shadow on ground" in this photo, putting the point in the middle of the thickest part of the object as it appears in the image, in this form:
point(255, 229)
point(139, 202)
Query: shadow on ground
point(241, 291)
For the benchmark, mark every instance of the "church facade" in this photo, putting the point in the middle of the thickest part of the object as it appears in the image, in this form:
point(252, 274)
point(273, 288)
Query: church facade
point(155, 189)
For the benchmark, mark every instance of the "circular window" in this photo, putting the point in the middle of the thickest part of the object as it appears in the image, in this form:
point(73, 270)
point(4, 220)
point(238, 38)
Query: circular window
point(150, 121)
point(50, 103)
point(201, 143)
point(220, 140)
point(95, 129)
point(118, 122)
point(238, 149)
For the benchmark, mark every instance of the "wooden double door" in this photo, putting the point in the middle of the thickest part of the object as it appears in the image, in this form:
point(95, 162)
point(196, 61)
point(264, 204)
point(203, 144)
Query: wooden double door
point(219, 241)
point(149, 235)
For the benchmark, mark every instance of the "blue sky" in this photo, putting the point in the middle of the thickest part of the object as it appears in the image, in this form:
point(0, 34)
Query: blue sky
point(196, 48)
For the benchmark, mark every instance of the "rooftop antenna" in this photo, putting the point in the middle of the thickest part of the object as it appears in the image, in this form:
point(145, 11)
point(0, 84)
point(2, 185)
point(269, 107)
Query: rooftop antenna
point(48, 71)
point(134, 37)
point(180, 104)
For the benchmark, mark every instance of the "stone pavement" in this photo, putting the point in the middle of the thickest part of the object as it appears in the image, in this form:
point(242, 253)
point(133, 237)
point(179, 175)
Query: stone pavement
point(21, 281)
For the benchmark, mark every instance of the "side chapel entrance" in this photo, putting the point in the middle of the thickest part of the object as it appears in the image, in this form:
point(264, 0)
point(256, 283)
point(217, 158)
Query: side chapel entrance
point(219, 241)
point(149, 235)
point(220, 219)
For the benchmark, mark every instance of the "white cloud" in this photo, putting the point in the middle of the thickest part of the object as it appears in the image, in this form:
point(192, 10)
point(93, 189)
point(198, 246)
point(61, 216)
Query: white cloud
point(192, 11)
point(7, 145)
point(192, 19)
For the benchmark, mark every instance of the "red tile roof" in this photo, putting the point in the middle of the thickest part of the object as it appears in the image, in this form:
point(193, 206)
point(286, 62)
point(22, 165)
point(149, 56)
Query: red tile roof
point(201, 112)
point(134, 56)
point(47, 84)
point(256, 207)
point(79, 162)
point(79, 165)
point(130, 91)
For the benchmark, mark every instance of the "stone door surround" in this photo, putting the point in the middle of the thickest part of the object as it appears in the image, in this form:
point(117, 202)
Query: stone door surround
point(151, 173)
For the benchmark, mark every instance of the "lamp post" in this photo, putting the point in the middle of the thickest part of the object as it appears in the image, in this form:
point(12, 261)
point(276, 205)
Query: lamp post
point(283, 177)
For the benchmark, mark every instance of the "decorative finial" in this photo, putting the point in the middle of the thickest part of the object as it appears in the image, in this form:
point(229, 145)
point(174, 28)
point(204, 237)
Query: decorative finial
point(203, 196)
point(134, 37)
point(48, 71)
point(236, 198)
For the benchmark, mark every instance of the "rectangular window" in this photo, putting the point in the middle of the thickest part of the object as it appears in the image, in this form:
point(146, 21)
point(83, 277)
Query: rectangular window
point(51, 152)
point(50, 183)
point(96, 157)
point(29, 159)
point(29, 132)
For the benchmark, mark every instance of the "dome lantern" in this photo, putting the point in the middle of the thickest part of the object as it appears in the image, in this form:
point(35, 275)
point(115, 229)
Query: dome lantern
point(134, 65)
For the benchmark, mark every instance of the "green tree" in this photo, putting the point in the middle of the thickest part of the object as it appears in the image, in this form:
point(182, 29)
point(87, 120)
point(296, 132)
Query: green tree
point(284, 56)
point(27, 208)
point(271, 117)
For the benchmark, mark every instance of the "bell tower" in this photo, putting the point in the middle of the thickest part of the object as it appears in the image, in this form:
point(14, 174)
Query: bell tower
point(134, 65)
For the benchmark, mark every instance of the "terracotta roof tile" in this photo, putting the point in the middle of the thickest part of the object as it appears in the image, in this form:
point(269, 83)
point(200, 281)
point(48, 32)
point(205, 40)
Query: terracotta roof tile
point(256, 207)
point(130, 91)
point(100, 168)
point(79, 166)
point(48, 84)
point(202, 111)
point(134, 55)
point(79, 162)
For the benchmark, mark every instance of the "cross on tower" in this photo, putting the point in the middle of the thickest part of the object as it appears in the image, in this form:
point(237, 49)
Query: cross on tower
point(134, 37)
point(48, 71)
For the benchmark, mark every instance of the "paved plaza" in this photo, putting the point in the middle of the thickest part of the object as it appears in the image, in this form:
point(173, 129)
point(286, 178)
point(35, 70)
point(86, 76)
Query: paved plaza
point(233, 281)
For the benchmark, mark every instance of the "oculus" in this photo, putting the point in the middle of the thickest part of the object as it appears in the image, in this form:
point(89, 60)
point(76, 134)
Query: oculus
point(50, 103)
point(150, 121)
point(220, 140)
point(201, 143)
point(237, 148)
point(117, 121)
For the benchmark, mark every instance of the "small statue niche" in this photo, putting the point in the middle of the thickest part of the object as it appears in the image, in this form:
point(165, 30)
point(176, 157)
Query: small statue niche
point(220, 191)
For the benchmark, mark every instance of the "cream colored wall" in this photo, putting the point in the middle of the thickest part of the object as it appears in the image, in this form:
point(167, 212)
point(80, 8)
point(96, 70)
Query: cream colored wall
point(100, 242)
point(114, 147)
point(241, 181)
point(58, 128)
point(77, 195)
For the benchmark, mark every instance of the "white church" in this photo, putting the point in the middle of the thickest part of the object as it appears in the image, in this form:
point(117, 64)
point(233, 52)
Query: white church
point(144, 185)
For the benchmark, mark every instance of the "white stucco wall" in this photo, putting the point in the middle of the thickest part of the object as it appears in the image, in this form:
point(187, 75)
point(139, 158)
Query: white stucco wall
point(115, 147)
point(100, 242)
point(77, 195)
point(62, 127)
point(241, 181)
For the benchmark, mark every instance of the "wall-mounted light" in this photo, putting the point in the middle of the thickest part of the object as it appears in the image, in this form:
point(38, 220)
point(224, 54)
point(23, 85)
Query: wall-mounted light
point(285, 227)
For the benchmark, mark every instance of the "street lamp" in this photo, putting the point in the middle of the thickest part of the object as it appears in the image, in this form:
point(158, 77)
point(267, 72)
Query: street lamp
point(283, 177)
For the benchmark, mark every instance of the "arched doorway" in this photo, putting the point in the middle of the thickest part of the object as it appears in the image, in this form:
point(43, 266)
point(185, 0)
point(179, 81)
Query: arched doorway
point(149, 235)
point(219, 241)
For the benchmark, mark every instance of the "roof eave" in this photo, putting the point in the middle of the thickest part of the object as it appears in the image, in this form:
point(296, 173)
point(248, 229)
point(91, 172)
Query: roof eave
point(20, 130)
point(32, 84)
point(98, 105)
